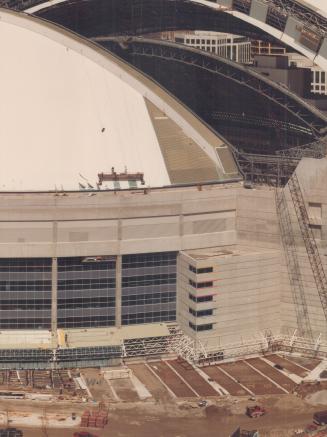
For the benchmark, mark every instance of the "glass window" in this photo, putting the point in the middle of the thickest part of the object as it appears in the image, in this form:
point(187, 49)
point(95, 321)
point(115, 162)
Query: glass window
point(86, 291)
point(200, 313)
point(199, 299)
point(25, 293)
point(149, 288)
point(317, 76)
point(204, 270)
point(205, 284)
point(197, 328)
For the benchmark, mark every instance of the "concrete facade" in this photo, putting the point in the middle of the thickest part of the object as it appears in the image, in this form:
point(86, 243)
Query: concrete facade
point(230, 229)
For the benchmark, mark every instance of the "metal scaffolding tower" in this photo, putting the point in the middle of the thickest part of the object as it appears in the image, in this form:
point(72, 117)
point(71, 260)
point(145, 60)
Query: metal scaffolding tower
point(292, 264)
point(309, 240)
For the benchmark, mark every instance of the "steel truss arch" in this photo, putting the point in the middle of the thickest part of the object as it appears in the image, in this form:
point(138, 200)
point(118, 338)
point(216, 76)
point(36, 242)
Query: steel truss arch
point(310, 118)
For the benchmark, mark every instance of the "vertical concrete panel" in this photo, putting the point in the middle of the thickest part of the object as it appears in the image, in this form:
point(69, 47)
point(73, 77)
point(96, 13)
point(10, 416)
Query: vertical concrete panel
point(296, 31)
point(259, 10)
point(225, 3)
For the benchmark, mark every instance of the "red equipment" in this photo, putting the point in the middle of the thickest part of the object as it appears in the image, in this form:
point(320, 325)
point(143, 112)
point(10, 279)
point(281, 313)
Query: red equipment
point(255, 411)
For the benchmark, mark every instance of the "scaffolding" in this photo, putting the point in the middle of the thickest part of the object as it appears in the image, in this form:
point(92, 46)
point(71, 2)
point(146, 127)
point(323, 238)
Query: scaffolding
point(292, 264)
point(309, 240)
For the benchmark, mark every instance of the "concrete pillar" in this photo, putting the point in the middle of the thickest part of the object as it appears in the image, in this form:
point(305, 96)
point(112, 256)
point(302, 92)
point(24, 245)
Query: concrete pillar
point(118, 290)
point(54, 293)
point(54, 288)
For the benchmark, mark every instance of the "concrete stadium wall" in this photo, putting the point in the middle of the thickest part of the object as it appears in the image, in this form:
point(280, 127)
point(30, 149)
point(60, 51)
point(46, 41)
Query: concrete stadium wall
point(253, 288)
point(81, 224)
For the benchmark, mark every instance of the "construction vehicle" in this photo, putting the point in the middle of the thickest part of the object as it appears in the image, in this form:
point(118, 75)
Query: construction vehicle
point(255, 411)
point(320, 417)
point(244, 433)
point(11, 432)
point(84, 434)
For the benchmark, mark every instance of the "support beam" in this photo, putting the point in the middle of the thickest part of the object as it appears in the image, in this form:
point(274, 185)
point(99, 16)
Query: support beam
point(54, 294)
point(118, 302)
point(54, 287)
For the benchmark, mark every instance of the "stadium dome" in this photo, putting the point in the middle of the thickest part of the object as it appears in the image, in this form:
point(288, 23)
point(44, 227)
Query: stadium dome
point(75, 117)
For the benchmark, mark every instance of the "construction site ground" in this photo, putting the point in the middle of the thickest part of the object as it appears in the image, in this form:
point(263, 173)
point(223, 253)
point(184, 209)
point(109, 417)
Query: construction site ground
point(165, 398)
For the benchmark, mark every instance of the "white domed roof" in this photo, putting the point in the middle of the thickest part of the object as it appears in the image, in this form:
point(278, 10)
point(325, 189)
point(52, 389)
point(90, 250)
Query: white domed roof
point(69, 111)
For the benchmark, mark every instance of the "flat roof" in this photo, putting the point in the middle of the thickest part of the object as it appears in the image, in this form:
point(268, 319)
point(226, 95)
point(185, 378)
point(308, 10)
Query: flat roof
point(112, 336)
point(226, 251)
point(25, 339)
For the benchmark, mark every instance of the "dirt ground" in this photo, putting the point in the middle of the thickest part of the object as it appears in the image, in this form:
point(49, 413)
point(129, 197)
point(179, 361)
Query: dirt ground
point(186, 419)
point(224, 380)
point(251, 379)
point(171, 379)
point(193, 378)
point(273, 373)
point(288, 365)
point(174, 409)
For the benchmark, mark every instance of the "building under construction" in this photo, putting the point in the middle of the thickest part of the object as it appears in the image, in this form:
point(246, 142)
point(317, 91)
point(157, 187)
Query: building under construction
point(128, 226)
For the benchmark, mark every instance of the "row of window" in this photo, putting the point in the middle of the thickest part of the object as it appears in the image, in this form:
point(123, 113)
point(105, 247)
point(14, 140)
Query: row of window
point(86, 322)
point(148, 299)
point(197, 328)
point(25, 265)
point(86, 284)
point(86, 264)
point(92, 302)
point(318, 76)
point(200, 313)
point(209, 41)
point(200, 270)
point(199, 299)
point(149, 259)
point(24, 323)
point(25, 285)
point(150, 317)
point(206, 284)
point(145, 280)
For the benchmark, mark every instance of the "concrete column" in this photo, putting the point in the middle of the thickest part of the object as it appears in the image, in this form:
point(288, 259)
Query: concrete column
point(118, 290)
point(54, 293)
point(54, 288)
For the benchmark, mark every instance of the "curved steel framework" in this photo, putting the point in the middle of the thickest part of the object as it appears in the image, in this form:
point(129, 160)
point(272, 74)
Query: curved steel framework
point(309, 118)
point(279, 10)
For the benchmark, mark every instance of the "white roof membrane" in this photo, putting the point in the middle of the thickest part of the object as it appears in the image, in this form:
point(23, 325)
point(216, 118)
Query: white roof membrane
point(63, 115)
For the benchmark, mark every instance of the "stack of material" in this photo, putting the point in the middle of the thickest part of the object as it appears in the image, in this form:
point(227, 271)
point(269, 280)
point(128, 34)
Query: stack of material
point(102, 418)
point(85, 419)
point(96, 419)
point(93, 419)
